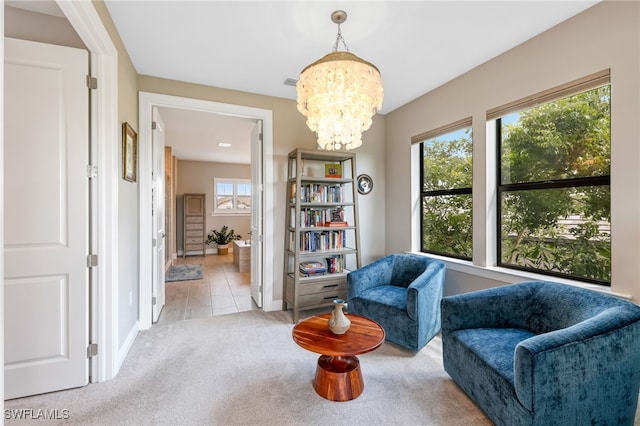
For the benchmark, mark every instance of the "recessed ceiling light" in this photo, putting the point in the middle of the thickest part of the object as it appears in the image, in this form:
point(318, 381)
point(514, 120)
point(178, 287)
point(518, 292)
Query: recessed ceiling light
point(224, 144)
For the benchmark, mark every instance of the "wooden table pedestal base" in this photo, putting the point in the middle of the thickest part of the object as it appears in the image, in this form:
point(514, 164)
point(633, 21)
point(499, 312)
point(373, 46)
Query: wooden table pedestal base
point(338, 378)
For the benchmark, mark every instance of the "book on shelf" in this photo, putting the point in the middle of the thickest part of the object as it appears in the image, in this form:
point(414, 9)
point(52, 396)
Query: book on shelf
point(312, 268)
point(337, 215)
point(333, 170)
point(335, 264)
point(336, 223)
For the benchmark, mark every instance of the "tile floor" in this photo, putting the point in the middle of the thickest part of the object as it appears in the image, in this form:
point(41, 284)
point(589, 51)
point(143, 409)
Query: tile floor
point(223, 290)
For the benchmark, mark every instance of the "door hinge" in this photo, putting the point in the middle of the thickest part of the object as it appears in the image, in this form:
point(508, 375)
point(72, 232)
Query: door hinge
point(154, 300)
point(92, 260)
point(154, 242)
point(92, 350)
point(92, 171)
point(92, 82)
point(154, 125)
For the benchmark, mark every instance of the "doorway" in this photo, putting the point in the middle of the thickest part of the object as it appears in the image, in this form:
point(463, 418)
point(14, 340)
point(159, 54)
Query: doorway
point(147, 101)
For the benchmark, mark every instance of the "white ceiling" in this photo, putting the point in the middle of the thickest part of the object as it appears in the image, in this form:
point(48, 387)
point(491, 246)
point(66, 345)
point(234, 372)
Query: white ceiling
point(195, 135)
point(254, 46)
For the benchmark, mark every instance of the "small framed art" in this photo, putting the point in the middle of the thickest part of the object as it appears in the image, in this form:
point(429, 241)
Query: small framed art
point(364, 184)
point(129, 153)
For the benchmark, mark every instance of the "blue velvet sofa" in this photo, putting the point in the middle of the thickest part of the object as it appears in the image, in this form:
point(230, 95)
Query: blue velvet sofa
point(544, 353)
point(402, 292)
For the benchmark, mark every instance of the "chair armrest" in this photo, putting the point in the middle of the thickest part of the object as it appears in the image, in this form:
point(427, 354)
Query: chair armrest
point(504, 306)
point(599, 354)
point(372, 275)
point(425, 292)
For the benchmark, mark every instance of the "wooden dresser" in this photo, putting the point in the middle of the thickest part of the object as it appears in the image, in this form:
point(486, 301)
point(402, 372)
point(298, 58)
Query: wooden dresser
point(194, 223)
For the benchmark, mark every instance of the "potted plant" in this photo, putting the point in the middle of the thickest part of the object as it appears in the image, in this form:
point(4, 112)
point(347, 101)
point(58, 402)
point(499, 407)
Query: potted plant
point(222, 238)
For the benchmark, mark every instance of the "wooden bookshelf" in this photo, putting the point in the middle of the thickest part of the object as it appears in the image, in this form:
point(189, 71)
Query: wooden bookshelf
point(321, 225)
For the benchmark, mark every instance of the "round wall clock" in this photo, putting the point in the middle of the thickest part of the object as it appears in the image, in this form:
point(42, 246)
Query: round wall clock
point(365, 184)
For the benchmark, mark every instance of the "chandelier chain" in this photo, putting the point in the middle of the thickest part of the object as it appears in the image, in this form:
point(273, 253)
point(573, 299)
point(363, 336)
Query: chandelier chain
point(338, 39)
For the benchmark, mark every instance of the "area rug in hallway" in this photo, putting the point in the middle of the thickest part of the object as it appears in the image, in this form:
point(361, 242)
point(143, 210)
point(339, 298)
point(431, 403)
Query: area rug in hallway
point(183, 273)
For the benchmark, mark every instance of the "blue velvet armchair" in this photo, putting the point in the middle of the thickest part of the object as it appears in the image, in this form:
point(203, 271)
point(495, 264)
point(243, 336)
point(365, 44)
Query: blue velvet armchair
point(544, 353)
point(402, 292)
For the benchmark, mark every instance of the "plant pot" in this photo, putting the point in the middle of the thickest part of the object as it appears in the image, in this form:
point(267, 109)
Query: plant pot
point(223, 248)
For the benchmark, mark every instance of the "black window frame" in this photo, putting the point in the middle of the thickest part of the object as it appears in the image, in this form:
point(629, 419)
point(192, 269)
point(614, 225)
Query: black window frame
point(436, 193)
point(591, 181)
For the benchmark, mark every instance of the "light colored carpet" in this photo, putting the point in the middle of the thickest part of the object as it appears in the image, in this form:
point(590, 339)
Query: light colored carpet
point(183, 273)
point(245, 369)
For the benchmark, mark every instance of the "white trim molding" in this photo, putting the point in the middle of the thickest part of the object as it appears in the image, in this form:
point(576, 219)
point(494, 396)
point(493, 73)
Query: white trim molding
point(146, 102)
point(104, 146)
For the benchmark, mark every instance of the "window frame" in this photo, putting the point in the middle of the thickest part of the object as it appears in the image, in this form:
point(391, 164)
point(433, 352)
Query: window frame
point(463, 124)
point(235, 182)
point(589, 181)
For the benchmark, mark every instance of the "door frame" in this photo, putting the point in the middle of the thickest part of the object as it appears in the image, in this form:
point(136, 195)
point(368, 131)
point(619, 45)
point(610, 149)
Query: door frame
point(104, 137)
point(158, 262)
point(146, 101)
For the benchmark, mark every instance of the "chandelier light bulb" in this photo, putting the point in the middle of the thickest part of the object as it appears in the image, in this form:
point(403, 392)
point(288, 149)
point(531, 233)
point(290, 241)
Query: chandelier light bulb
point(339, 94)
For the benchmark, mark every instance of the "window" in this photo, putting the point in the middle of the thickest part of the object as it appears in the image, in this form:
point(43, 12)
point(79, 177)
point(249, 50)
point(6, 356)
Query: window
point(554, 209)
point(446, 176)
point(232, 196)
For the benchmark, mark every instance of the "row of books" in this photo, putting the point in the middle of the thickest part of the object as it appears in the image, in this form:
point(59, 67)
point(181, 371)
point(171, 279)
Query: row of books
point(322, 217)
point(318, 193)
point(321, 240)
point(335, 264)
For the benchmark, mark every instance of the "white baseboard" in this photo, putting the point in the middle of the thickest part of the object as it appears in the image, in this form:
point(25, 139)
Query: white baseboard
point(126, 346)
point(273, 305)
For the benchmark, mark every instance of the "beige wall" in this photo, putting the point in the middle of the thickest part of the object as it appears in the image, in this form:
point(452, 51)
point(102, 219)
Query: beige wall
point(605, 36)
point(128, 212)
point(196, 177)
point(40, 27)
point(290, 132)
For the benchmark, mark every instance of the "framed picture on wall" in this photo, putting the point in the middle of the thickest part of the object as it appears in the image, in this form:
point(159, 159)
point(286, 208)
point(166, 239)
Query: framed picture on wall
point(129, 153)
point(365, 184)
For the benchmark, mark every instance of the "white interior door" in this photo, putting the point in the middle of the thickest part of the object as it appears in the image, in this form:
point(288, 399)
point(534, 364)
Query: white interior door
point(158, 213)
point(256, 213)
point(46, 141)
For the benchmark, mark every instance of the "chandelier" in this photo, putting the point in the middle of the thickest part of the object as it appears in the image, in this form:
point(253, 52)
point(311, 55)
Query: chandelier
point(339, 94)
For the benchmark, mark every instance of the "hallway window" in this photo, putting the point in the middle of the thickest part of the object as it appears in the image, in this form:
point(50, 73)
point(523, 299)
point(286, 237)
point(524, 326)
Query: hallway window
point(232, 196)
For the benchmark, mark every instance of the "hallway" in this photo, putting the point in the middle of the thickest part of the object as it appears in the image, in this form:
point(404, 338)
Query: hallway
point(223, 290)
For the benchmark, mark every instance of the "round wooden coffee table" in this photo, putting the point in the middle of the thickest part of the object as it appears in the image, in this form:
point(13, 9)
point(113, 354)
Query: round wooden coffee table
point(338, 376)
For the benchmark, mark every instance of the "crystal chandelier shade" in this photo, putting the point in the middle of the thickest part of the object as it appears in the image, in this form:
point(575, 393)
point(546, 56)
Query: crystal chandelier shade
point(339, 94)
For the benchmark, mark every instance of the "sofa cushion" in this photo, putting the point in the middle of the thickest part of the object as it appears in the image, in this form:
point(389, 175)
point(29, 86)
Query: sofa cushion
point(495, 346)
point(389, 295)
point(471, 366)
